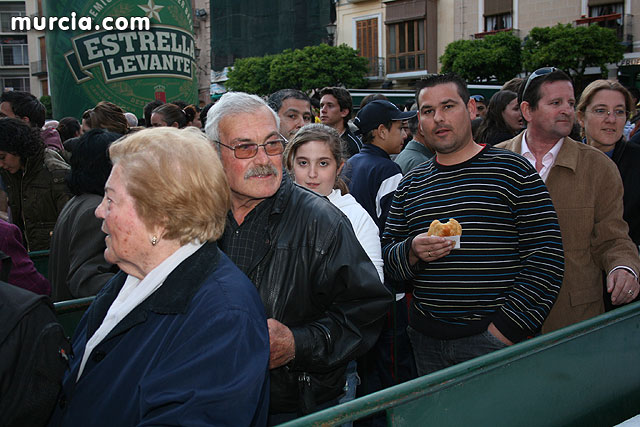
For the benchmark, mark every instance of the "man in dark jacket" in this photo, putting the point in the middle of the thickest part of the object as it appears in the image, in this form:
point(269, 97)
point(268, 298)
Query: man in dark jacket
point(323, 297)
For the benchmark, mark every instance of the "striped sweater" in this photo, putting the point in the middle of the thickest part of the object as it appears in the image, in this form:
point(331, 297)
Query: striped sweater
point(509, 267)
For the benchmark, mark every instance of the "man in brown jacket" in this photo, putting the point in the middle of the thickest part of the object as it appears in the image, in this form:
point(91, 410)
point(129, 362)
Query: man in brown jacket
point(586, 191)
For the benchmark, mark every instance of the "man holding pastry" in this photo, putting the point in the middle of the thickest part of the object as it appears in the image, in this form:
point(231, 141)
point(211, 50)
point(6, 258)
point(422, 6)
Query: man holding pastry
point(489, 275)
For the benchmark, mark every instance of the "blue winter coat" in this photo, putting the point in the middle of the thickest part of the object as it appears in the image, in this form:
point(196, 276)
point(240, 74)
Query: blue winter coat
point(195, 353)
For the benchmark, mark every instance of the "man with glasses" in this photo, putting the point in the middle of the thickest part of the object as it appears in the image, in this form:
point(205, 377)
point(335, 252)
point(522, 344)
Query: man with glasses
point(586, 190)
point(321, 292)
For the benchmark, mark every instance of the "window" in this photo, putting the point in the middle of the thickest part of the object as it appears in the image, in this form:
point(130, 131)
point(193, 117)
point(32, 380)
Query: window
point(498, 15)
point(15, 83)
point(406, 48)
point(498, 22)
point(609, 10)
point(367, 42)
point(14, 50)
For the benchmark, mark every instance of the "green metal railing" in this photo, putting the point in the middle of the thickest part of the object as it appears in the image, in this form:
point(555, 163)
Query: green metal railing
point(41, 261)
point(587, 374)
point(70, 312)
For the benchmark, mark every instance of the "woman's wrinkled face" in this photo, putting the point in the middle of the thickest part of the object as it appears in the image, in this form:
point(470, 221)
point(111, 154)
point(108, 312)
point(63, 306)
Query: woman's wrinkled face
point(604, 119)
point(128, 240)
point(10, 162)
point(512, 117)
point(315, 167)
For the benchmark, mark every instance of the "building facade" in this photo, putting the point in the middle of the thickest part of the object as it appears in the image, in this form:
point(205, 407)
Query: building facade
point(202, 36)
point(404, 39)
point(23, 59)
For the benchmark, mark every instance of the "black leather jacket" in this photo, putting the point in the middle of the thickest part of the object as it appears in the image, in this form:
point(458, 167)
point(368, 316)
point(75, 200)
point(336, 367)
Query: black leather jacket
point(316, 279)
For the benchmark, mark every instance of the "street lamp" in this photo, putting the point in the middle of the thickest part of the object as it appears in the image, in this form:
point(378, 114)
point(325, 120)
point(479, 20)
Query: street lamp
point(331, 31)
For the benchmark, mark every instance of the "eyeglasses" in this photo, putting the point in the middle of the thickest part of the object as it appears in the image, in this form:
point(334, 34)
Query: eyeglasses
point(537, 73)
point(478, 98)
point(618, 113)
point(248, 150)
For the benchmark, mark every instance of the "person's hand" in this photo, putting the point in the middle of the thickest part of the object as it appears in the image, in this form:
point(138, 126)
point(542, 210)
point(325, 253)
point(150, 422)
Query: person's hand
point(496, 333)
point(282, 344)
point(429, 248)
point(623, 286)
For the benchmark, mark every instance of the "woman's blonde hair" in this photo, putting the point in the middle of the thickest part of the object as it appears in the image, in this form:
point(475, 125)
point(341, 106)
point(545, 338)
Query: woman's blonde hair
point(596, 86)
point(176, 180)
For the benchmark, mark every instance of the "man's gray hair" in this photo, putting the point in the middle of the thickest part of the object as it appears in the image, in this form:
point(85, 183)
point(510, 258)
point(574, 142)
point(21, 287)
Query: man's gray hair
point(232, 103)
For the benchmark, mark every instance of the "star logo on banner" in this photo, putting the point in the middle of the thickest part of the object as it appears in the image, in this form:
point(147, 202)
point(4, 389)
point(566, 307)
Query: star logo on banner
point(151, 9)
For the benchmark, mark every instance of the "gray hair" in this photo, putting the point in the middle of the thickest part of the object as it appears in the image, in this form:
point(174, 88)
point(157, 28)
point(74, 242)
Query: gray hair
point(131, 119)
point(232, 103)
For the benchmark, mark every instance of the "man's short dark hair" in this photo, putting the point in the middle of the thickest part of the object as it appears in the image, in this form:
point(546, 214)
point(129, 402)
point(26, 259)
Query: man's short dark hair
point(367, 138)
point(276, 99)
point(24, 104)
point(344, 100)
point(440, 79)
point(532, 93)
point(68, 127)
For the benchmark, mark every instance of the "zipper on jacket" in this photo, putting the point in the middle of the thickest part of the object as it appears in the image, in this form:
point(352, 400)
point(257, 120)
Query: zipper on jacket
point(24, 222)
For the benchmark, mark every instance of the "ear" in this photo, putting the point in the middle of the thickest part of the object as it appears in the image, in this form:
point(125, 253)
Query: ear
point(525, 110)
point(339, 171)
point(344, 112)
point(472, 108)
point(580, 117)
point(175, 125)
point(382, 131)
point(26, 120)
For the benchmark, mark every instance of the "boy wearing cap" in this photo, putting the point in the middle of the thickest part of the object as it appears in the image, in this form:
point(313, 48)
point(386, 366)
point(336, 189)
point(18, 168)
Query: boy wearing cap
point(371, 175)
point(372, 178)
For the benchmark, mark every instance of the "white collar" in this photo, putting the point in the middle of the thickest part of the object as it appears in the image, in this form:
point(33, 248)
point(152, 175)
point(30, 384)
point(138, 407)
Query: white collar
point(133, 293)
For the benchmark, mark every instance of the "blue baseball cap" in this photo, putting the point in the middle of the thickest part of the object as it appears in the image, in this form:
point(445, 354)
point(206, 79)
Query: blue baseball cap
point(379, 112)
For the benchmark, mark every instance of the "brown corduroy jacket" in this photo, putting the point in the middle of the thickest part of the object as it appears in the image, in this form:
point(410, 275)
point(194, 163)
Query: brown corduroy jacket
point(586, 190)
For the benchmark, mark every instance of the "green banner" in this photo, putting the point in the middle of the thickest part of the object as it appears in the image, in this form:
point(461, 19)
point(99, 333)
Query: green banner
point(116, 58)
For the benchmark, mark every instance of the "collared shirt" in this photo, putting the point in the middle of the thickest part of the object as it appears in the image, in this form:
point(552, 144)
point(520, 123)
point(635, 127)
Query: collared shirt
point(246, 243)
point(547, 161)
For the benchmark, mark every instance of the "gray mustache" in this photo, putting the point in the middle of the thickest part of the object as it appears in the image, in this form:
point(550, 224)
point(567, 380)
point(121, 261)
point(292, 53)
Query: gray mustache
point(261, 170)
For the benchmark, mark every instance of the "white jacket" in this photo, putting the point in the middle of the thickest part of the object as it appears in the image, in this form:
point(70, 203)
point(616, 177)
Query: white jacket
point(366, 230)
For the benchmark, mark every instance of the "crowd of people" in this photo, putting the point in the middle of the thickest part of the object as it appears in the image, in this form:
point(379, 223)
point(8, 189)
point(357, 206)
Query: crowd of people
point(262, 259)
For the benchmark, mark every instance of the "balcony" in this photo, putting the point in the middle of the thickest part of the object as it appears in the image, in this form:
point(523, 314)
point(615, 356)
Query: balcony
point(39, 68)
point(601, 18)
point(492, 32)
point(615, 21)
point(14, 55)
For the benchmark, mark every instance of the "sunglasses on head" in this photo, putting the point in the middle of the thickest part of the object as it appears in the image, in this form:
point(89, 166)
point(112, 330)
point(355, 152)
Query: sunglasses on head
point(478, 98)
point(537, 73)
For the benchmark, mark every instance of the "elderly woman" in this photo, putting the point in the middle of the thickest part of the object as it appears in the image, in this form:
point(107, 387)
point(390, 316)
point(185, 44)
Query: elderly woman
point(179, 336)
point(34, 176)
point(602, 112)
point(77, 267)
